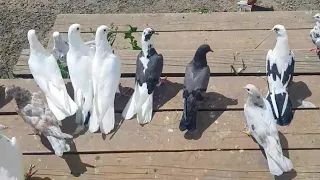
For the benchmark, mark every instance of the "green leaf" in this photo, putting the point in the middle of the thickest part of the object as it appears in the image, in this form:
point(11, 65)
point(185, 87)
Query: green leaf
point(127, 35)
point(134, 29)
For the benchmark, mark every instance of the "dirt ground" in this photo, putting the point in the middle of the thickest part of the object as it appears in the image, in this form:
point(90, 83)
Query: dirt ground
point(18, 16)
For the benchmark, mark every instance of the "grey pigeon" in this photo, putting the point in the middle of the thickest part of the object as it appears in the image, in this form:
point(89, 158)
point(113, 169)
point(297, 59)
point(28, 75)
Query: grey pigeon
point(60, 47)
point(279, 69)
point(315, 34)
point(261, 124)
point(34, 110)
point(148, 71)
point(196, 81)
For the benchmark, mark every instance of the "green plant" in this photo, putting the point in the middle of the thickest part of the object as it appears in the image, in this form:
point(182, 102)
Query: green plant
point(128, 35)
point(64, 70)
point(203, 10)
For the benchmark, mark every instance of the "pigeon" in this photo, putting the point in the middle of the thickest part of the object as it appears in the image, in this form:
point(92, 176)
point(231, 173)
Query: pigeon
point(2, 127)
point(315, 34)
point(149, 67)
point(279, 69)
point(106, 76)
point(45, 71)
point(34, 110)
point(196, 81)
point(245, 4)
point(261, 124)
point(60, 47)
point(79, 61)
point(11, 167)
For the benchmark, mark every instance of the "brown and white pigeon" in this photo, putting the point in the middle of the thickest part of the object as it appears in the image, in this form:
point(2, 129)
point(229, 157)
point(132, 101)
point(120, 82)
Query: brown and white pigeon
point(34, 110)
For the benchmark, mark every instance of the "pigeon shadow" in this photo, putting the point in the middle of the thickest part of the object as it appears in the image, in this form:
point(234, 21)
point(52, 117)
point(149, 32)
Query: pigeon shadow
point(285, 146)
point(39, 178)
point(3, 100)
point(298, 91)
point(204, 120)
point(261, 8)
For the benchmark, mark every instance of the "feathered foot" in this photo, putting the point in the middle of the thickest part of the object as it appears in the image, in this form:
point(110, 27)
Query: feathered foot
point(30, 172)
point(163, 81)
point(314, 49)
point(247, 131)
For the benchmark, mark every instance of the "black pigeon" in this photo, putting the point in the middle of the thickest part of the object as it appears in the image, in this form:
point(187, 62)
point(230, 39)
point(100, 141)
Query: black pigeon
point(196, 81)
point(148, 71)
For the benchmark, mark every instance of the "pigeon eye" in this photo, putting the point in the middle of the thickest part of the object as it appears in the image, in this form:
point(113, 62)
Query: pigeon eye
point(276, 29)
point(248, 89)
point(78, 28)
point(104, 30)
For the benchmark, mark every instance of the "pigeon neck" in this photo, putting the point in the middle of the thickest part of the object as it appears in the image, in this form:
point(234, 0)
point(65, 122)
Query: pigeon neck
point(146, 46)
point(75, 42)
point(102, 45)
point(22, 98)
point(255, 101)
point(282, 47)
point(200, 59)
point(35, 45)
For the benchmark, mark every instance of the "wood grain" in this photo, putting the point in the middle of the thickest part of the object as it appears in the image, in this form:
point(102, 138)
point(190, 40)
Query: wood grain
point(219, 61)
point(199, 165)
point(222, 93)
point(190, 21)
point(237, 40)
point(215, 130)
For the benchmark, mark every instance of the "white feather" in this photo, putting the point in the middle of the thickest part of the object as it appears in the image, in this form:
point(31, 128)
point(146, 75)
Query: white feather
point(59, 145)
point(11, 167)
point(44, 68)
point(79, 60)
point(60, 47)
point(106, 76)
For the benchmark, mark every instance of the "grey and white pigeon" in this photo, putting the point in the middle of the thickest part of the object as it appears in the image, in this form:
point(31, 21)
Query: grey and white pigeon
point(60, 47)
point(261, 124)
point(106, 76)
point(148, 71)
point(34, 110)
point(279, 69)
point(315, 34)
point(45, 71)
point(196, 81)
point(79, 60)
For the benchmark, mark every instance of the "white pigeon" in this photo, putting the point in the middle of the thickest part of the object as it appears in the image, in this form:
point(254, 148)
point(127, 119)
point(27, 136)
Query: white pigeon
point(279, 69)
point(11, 167)
point(106, 76)
point(149, 67)
point(315, 34)
point(79, 61)
point(60, 47)
point(260, 123)
point(45, 71)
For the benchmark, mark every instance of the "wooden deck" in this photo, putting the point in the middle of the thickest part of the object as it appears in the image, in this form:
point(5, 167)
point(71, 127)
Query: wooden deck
point(219, 149)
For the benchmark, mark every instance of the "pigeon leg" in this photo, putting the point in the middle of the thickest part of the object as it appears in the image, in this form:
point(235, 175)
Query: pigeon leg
point(30, 172)
point(35, 132)
point(164, 80)
point(247, 131)
point(314, 49)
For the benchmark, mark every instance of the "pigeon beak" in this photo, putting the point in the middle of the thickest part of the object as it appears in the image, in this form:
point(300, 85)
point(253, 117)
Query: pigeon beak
point(272, 29)
point(210, 50)
point(155, 33)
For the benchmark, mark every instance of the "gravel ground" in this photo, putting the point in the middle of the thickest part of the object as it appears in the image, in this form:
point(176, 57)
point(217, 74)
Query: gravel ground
point(18, 16)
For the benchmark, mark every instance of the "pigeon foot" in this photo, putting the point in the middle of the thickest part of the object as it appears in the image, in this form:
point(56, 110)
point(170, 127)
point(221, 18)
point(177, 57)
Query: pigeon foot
point(163, 81)
point(30, 172)
point(314, 49)
point(247, 131)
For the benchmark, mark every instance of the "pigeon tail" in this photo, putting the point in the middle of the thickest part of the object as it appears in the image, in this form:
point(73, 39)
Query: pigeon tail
point(188, 121)
point(59, 145)
point(144, 115)
point(130, 109)
point(94, 121)
point(277, 162)
point(108, 121)
point(282, 108)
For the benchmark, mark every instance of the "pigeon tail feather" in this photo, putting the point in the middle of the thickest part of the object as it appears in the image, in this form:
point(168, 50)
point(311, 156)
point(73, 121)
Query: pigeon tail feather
point(94, 121)
point(59, 145)
point(130, 109)
point(283, 107)
point(108, 121)
point(188, 121)
point(144, 115)
point(277, 162)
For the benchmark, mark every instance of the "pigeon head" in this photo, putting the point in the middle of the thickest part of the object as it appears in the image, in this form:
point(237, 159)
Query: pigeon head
point(102, 31)
point(317, 17)
point(252, 90)
point(33, 40)
point(279, 30)
point(74, 31)
point(147, 33)
point(11, 91)
point(204, 49)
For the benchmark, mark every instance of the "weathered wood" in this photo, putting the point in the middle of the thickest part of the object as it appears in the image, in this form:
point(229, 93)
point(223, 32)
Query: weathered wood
point(191, 40)
point(247, 165)
point(219, 61)
point(215, 130)
point(222, 93)
point(189, 21)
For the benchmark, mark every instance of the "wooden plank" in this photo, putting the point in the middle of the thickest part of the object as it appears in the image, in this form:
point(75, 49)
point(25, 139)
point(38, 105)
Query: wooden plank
point(219, 61)
point(220, 95)
point(248, 165)
point(190, 21)
point(215, 130)
point(239, 40)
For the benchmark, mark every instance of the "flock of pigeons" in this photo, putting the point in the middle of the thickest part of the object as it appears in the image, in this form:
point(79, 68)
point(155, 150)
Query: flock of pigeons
point(95, 74)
